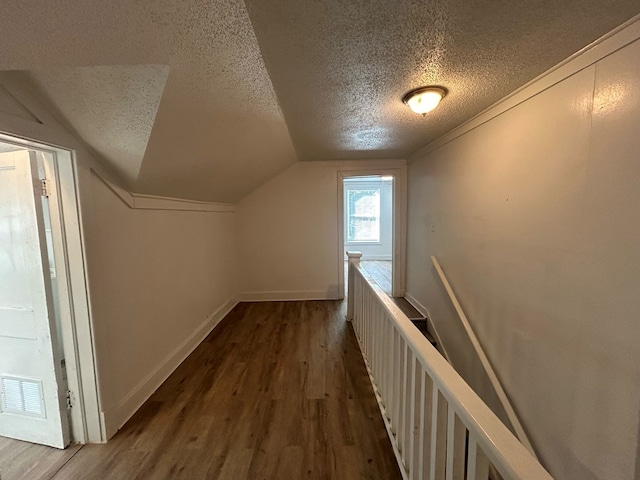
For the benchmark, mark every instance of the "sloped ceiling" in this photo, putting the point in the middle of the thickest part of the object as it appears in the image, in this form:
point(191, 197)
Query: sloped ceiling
point(112, 108)
point(217, 131)
point(207, 99)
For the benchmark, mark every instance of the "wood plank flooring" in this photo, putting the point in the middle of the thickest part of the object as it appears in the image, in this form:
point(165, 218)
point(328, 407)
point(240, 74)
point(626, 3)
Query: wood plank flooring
point(20, 460)
point(380, 270)
point(277, 391)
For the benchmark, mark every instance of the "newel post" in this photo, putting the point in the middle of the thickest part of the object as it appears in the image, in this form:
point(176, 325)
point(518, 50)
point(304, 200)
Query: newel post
point(354, 259)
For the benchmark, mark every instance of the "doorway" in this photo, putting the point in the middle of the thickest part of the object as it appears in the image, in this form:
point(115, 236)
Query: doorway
point(397, 171)
point(48, 390)
point(368, 225)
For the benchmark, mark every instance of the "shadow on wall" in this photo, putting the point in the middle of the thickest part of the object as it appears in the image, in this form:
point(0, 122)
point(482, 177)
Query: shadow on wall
point(461, 352)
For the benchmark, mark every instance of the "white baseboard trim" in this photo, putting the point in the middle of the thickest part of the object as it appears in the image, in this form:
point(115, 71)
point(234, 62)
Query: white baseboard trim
point(293, 295)
point(424, 311)
point(416, 304)
point(115, 417)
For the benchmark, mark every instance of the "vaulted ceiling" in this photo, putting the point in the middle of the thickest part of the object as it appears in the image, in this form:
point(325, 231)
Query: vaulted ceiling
point(207, 99)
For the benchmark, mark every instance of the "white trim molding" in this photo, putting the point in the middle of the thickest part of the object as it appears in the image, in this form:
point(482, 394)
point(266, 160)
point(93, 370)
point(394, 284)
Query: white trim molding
point(153, 202)
point(291, 295)
point(399, 242)
point(424, 311)
point(606, 45)
point(75, 321)
point(417, 305)
point(141, 201)
point(355, 164)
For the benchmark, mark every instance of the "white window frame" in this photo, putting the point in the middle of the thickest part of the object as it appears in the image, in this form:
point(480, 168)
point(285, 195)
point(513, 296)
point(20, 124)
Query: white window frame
point(349, 214)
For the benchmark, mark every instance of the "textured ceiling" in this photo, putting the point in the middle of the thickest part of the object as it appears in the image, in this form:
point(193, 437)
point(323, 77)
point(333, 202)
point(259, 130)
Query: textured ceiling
point(341, 67)
point(207, 99)
point(217, 132)
point(112, 108)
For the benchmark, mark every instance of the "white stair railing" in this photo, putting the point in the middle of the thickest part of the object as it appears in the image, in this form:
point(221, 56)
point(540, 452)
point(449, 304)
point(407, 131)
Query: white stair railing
point(438, 426)
point(484, 361)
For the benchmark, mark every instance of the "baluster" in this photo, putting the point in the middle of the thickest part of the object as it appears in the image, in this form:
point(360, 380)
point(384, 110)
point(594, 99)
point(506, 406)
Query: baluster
point(384, 354)
point(388, 362)
point(438, 435)
point(478, 463)
point(374, 342)
point(354, 308)
point(393, 384)
point(426, 407)
point(361, 309)
point(456, 436)
point(370, 320)
point(380, 349)
point(356, 303)
point(408, 408)
point(389, 333)
point(354, 259)
point(416, 419)
point(401, 393)
point(397, 377)
point(369, 323)
point(358, 286)
point(404, 390)
point(370, 327)
point(365, 321)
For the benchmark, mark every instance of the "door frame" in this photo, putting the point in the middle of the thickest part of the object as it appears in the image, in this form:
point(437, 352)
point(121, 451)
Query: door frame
point(399, 241)
point(76, 325)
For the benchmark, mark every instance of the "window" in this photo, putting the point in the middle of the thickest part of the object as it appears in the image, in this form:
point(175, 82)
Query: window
point(363, 215)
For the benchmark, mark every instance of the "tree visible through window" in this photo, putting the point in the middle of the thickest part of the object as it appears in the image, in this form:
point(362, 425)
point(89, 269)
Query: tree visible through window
point(363, 215)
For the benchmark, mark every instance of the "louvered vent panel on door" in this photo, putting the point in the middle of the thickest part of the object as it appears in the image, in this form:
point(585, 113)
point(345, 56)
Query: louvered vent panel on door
point(22, 396)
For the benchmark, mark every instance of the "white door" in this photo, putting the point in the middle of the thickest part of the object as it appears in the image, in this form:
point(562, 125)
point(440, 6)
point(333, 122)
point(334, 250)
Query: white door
point(32, 390)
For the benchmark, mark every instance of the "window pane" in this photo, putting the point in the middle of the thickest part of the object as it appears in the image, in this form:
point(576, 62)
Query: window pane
point(363, 215)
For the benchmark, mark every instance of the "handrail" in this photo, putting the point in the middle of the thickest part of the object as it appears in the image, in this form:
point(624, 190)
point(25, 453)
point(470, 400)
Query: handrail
point(438, 426)
point(493, 378)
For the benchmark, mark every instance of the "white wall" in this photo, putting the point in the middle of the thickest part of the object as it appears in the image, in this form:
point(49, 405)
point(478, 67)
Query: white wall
point(156, 278)
point(288, 236)
point(287, 232)
point(535, 217)
point(159, 279)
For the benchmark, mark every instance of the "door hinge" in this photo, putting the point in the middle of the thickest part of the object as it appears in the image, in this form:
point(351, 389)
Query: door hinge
point(44, 187)
point(69, 399)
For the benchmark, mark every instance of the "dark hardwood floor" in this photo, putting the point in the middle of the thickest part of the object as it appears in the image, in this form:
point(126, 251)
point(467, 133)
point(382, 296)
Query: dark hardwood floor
point(277, 391)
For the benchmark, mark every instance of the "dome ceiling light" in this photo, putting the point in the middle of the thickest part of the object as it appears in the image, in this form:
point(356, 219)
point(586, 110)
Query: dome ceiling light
point(424, 99)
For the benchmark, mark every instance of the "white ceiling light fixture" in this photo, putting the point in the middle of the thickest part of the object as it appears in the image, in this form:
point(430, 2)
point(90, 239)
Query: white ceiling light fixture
point(424, 99)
